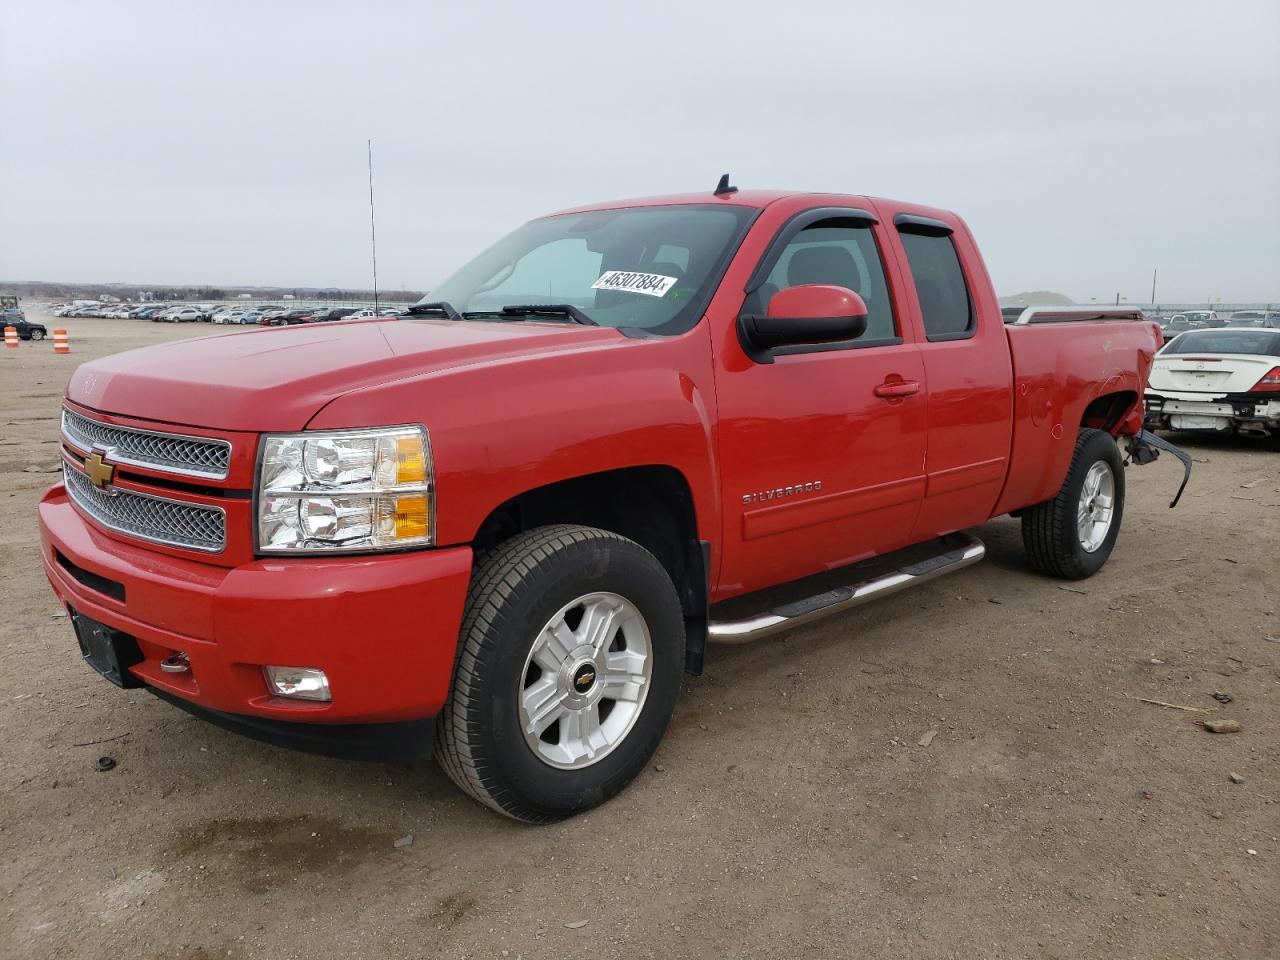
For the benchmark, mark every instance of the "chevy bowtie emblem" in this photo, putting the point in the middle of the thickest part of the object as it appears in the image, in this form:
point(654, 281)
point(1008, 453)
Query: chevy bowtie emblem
point(99, 472)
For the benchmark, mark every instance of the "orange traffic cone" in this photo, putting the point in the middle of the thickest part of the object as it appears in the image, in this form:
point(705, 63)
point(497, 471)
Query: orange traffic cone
point(11, 337)
point(60, 344)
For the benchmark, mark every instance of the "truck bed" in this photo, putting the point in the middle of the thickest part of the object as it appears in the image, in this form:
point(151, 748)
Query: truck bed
point(1071, 366)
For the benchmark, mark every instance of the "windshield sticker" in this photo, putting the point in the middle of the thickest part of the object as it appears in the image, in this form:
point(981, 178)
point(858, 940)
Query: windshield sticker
point(650, 284)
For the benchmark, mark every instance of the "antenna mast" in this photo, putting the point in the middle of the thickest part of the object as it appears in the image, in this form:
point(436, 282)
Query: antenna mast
point(373, 228)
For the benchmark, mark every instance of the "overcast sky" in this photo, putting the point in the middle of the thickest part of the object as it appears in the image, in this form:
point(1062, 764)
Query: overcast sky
point(174, 142)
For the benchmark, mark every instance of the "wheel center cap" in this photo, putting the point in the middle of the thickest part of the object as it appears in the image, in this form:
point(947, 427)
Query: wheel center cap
point(584, 678)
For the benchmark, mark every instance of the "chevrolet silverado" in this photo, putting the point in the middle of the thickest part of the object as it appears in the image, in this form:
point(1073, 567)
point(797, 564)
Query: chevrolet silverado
point(499, 528)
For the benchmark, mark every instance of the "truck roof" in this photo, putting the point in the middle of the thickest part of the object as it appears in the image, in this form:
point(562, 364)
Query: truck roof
point(741, 198)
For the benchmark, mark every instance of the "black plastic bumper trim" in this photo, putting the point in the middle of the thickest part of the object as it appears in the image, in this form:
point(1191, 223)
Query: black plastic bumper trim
point(407, 740)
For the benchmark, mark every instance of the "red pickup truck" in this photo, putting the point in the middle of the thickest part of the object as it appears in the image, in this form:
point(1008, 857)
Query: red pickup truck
point(499, 527)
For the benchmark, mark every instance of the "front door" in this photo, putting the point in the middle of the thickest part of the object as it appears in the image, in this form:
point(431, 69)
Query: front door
point(821, 464)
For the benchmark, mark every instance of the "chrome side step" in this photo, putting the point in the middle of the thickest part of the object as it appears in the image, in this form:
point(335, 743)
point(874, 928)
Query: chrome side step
point(961, 550)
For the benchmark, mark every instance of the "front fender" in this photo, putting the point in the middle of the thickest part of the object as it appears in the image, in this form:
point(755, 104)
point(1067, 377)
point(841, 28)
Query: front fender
point(501, 428)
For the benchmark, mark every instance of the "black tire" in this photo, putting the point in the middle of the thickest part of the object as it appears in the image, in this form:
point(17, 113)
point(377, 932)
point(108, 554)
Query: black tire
point(1049, 531)
point(36, 335)
point(515, 590)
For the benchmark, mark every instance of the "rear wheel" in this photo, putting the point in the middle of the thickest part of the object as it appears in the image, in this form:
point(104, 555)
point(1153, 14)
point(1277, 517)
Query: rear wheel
point(1072, 535)
point(571, 653)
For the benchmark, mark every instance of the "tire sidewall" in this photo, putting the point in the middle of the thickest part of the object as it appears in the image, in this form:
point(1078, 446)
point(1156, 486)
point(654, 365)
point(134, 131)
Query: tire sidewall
point(1096, 447)
point(614, 566)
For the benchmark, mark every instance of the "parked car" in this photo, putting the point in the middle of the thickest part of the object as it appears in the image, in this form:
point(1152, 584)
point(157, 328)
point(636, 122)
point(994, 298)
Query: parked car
point(268, 317)
point(534, 621)
point(26, 329)
point(1179, 323)
point(290, 318)
point(1226, 381)
point(299, 316)
point(323, 313)
point(336, 313)
point(355, 314)
point(391, 312)
point(1206, 318)
point(1267, 319)
point(183, 314)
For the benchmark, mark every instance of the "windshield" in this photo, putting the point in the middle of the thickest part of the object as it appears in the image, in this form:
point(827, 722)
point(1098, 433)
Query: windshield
point(1264, 343)
point(652, 268)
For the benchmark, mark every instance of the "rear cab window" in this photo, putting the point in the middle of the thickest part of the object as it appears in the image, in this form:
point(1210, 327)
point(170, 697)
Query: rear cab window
point(946, 304)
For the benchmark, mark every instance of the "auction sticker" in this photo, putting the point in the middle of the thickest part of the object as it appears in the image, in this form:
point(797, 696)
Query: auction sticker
point(650, 284)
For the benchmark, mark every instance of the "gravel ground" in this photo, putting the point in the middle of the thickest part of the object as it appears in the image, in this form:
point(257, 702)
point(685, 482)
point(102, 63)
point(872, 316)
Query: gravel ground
point(962, 771)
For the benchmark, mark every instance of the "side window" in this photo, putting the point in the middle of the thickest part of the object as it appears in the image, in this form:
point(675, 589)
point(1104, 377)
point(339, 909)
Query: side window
point(945, 303)
point(831, 252)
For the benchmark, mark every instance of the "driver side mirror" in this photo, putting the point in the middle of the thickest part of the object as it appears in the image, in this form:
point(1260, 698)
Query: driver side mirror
point(804, 315)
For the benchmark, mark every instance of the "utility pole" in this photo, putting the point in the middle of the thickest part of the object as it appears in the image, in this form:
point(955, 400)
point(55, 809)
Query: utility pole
point(1153, 286)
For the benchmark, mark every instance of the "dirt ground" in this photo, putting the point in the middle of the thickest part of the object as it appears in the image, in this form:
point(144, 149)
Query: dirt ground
point(797, 807)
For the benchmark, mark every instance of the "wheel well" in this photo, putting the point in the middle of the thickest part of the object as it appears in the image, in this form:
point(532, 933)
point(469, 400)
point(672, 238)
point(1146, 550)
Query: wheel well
point(1106, 412)
point(651, 505)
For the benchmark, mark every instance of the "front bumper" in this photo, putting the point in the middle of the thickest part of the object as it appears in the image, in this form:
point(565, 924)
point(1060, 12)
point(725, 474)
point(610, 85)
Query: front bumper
point(383, 628)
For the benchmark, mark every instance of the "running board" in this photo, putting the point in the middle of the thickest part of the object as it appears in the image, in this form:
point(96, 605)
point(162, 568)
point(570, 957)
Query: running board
point(961, 550)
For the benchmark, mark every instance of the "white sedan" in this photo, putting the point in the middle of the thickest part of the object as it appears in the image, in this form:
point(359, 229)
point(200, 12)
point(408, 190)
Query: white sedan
point(1226, 380)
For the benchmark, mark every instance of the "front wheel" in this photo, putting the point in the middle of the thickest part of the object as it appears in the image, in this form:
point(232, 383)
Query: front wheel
point(36, 335)
point(570, 658)
point(1072, 535)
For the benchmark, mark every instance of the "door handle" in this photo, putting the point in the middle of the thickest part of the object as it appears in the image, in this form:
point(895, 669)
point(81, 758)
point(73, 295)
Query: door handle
point(891, 389)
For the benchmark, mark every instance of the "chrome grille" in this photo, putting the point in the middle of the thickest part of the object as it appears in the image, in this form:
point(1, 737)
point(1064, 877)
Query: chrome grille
point(189, 456)
point(158, 519)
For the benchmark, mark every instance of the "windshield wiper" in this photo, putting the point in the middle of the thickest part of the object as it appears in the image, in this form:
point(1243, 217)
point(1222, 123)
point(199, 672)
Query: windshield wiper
point(440, 308)
point(549, 310)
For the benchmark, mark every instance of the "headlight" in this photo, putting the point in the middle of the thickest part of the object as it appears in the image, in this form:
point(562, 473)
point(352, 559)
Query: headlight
point(345, 490)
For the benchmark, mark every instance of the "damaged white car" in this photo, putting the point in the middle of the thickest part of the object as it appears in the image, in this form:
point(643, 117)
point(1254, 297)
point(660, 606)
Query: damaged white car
point(1225, 380)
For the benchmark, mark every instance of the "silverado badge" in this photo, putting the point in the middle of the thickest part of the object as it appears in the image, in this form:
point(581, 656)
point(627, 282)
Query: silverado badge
point(778, 493)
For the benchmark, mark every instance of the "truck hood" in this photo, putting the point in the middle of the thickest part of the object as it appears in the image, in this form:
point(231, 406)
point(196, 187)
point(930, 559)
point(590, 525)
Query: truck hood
point(278, 379)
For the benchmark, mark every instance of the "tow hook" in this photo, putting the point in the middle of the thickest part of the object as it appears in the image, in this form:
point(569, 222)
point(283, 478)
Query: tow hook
point(1144, 447)
point(175, 663)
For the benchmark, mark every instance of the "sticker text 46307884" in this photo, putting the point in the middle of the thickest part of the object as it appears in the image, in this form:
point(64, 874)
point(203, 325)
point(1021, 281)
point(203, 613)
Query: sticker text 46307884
point(650, 284)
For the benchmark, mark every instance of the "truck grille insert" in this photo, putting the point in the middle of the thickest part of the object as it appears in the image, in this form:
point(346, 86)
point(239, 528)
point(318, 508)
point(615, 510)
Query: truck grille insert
point(158, 519)
point(189, 456)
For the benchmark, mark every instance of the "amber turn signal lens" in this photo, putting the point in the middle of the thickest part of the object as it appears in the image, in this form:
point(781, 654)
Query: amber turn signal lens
point(413, 518)
point(411, 461)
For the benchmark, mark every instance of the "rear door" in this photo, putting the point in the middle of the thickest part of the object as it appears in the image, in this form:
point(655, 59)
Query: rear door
point(818, 470)
point(950, 303)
